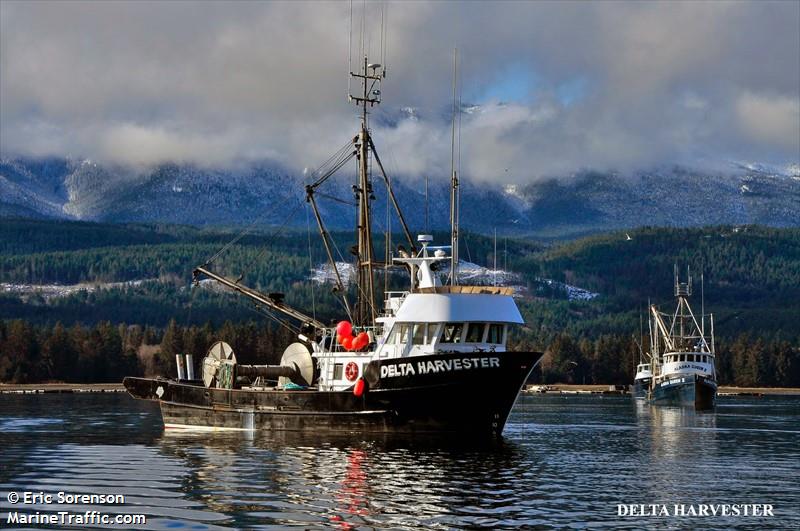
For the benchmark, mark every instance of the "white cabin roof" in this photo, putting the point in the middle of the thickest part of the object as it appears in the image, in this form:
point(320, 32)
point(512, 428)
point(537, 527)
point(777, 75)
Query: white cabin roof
point(458, 307)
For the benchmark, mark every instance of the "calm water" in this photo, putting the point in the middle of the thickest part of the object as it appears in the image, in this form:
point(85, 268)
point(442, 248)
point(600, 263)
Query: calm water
point(565, 462)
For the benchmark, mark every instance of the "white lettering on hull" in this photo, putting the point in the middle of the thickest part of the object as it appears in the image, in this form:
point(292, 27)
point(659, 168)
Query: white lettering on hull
point(439, 366)
point(399, 369)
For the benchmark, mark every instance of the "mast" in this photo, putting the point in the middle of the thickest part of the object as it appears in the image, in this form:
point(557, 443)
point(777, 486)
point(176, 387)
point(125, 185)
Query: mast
point(495, 256)
point(454, 185)
point(702, 306)
point(365, 296)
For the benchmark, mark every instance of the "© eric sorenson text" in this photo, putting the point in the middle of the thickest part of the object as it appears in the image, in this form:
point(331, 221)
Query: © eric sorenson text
point(61, 497)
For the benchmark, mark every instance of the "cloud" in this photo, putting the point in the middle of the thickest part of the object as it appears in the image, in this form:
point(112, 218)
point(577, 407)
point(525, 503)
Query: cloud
point(773, 121)
point(604, 85)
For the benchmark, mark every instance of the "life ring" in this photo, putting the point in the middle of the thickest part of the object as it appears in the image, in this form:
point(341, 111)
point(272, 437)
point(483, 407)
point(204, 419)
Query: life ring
point(351, 371)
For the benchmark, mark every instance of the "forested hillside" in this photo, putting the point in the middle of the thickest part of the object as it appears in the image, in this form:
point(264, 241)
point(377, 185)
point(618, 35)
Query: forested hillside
point(135, 279)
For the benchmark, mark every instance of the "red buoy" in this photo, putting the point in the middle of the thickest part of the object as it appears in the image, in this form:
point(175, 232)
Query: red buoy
point(344, 328)
point(347, 342)
point(361, 341)
point(358, 390)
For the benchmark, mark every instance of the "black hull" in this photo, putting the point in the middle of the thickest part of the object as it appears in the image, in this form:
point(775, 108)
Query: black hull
point(686, 391)
point(455, 392)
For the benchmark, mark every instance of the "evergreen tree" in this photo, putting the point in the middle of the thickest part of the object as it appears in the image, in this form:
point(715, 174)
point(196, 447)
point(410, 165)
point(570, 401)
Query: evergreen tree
point(59, 355)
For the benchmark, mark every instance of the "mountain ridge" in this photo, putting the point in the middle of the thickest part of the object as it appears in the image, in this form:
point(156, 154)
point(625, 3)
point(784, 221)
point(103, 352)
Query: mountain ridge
point(264, 193)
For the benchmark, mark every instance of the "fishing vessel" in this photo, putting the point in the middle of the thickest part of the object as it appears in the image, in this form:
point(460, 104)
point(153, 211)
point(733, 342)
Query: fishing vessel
point(641, 380)
point(643, 374)
point(682, 355)
point(431, 358)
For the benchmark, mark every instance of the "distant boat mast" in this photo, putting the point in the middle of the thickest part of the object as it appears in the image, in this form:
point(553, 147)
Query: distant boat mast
point(454, 206)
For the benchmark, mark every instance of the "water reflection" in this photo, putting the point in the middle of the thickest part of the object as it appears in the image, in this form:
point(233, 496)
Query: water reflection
point(680, 436)
point(564, 462)
point(682, 446)
point(150, 482)
point(297, 478)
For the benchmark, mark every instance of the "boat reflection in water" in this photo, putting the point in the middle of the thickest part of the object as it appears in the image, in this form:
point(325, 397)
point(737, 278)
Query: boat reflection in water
point(684, 444)
point(297, 478)
point(681, 433)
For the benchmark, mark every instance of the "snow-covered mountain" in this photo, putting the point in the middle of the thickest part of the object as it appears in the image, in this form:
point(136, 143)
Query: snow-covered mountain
point(268, 194)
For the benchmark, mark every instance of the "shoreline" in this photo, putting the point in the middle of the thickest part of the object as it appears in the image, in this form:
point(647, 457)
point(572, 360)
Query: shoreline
point(724, 390)
point(41, 388)
point(531, 389)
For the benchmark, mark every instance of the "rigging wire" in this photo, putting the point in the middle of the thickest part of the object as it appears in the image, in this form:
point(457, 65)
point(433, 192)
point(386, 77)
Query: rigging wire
point(256, 308)
point(334, 161)
point(466, 244)
point(350, 52)
point(387, 247)
point(311, 266)
point(385, 38)
point(271, 239)
point(392, 162)
point(192, 294)
point(458, 146)
point(242, 234)
point(363, 24)
point(341, 258)
point(427, 224)
point(367, 298)
point(330, 166)
point(263, 312)
point(247, 230)
point(334, 198)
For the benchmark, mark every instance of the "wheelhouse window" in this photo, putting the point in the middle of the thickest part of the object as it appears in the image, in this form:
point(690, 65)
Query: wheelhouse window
point(420, 334)
point(475, 332)
point(337, 371)
point(452, 333)
point(495, 334)
point(399, 334)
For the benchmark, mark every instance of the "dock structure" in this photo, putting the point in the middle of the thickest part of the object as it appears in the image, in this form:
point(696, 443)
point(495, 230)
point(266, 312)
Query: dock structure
point(60, 388)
